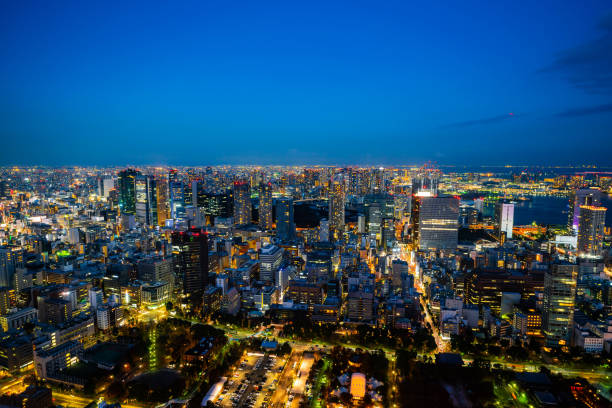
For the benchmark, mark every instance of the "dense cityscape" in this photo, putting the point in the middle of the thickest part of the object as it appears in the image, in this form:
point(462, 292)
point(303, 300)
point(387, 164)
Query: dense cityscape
point(321, 204)
point(305, 286)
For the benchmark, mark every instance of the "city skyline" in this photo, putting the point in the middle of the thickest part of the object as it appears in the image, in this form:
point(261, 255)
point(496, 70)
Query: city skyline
point(342, 83)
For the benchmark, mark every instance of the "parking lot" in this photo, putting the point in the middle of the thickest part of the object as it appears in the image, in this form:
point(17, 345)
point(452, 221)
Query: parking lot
point(253, 381)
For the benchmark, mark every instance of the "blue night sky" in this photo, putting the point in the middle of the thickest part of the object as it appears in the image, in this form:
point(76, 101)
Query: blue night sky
point(355, 82)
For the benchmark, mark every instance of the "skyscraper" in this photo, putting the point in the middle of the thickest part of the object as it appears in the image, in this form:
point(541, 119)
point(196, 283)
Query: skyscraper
point(336, 209)
point(190, 250)
point(146, 200)
point(438, 221)
point(127, 191)
point(559, 301)
point(11, 258)
point(505, 219)
point(242, 203)
point(377, 207)
point(265, 206)
point(105, 185)
point(580, 197)
point(177, 199)
point(426, 184)
point(591, 222)
point(163, 203)
point(285, 226)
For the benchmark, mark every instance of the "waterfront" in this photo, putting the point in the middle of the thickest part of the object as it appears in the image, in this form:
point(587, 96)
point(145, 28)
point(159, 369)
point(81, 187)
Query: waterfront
point(546, 210)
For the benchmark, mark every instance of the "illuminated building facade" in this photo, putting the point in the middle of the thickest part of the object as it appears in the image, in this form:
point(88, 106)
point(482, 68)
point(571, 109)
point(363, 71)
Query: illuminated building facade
point(285, 225)
point(11, 258)
point(127, 191)
point(242, 203)
point(270, 258)
point(146, 200)
point(163, 200)
point(505, 219)
point(177, 199)
point(591, 230)
point(218, 205)
point(377, 207)
point(336, 209)
point(559, 301)
point(190, 250)
point(581, 197)
point(265, 206)
point(51, 361)
point(438, 223)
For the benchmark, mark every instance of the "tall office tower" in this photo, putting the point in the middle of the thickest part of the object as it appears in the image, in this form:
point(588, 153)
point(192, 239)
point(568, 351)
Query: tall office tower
point(402, 203)
point(127, 191)
point(177, 199)
point(336, 209)
point(559, 301)
point(324, 230)
point(242, 203)
point(190, 255)
point(378, 180)
point(580, 197)
point(265, 206)
point(591, 225)
point(378, 207)
point(163, 200)
point(352, 187)
point(198, 193)
point(438, 223)
point(425, 184)
point(415, 209)
point(504, 216)
point(11, 258)
point(5, 191)
point(219, 205)
point(270, 258)
point(285, 226)
point(146, 200)
point(105, 185)
point(152, 199)
point(479, 205)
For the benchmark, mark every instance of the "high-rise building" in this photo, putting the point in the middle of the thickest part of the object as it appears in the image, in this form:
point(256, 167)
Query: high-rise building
point(242, 203)
point(127, 191)
point(157, 269)
point(163, 200)
point(425, 184)
point(505, 219)
point(438, 222)
point(105, 185)
point(265, 206)
point(5, 190)
point(580, 197)
point(177, 199)
point(11, 258)
point(559, 301)
point(285, 226)
point(591, 230)
point(377, 207)
point(146, 200)
point(336, 209)
point(190, 250)
point(270, 258)
point(360, 306)
point(218, 205)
